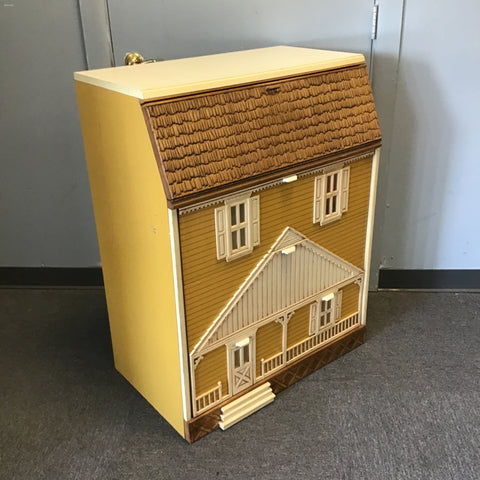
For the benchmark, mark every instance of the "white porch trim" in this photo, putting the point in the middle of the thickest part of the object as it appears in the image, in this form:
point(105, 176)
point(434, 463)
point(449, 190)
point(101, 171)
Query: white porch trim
point(180, 312)
point(369, 234)
point(265, 293)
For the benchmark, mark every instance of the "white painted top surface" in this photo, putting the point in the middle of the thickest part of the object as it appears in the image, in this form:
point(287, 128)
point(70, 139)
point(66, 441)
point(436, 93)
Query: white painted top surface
point(174, 77)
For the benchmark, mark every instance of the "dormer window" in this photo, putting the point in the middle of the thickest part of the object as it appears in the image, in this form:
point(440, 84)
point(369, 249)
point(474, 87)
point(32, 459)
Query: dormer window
point(331, 196)
point(237, 226)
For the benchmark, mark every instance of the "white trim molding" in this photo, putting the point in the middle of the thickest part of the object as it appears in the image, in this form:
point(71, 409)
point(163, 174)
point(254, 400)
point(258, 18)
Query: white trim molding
point(180, 312)
point(369, 234)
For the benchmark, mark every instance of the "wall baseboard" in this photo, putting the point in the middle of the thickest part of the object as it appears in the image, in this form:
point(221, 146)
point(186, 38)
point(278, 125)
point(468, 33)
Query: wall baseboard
point(51, 277)
point(390, 279)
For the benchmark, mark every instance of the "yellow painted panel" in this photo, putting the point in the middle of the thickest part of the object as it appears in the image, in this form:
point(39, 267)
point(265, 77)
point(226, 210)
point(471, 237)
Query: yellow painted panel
point(350, 299)
point(133, 232)
point(298, 326)
point(211, 283)
point(212, 369)
point(268, 342)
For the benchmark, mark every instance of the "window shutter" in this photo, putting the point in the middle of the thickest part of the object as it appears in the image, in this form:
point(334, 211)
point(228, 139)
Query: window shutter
point(318, 199)
point(255, 220)
point(344, 191)
point(338, 305)
point(221, 232)
point(313, 318)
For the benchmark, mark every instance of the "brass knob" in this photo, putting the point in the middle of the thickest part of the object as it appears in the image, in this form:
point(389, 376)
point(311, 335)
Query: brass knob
point(132, 58)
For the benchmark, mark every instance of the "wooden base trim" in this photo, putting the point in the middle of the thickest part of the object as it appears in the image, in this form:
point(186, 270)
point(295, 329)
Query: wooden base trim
point(200, 426)
point(51, 277)
point(457, 280)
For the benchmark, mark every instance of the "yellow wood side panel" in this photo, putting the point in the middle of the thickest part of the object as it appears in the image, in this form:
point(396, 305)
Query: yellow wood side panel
point(212, 369)
point(268, 342)
point(209, 284)
point(298, 326)
point(133, 232)
point(350, 298)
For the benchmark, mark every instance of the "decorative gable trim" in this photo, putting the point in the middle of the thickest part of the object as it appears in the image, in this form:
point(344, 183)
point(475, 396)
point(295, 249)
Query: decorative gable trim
point(288, 238)
point(294, 270)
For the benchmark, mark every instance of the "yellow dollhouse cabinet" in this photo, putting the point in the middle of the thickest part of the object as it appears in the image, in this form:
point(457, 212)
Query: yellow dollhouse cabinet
point(234, 198)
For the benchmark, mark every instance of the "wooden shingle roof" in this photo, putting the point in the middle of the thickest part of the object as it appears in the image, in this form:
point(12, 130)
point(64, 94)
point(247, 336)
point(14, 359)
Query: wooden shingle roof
point(209, 143)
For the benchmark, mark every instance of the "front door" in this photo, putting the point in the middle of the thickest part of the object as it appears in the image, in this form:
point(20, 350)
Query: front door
point(241, 365)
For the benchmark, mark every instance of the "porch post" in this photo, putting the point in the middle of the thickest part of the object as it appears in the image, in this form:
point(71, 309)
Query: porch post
point(285, 319)
point(361, 299)
point(194, 361)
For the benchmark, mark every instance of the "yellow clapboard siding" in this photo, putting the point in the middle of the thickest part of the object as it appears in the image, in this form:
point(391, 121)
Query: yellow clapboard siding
point(298, 326)
point(350, 300)
point(197, 265)
point(268, 342)
point(210, 284)
point(212, 369)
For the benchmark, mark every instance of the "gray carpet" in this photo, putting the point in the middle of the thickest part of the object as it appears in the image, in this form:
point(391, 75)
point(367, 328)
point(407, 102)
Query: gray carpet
point(405, 405)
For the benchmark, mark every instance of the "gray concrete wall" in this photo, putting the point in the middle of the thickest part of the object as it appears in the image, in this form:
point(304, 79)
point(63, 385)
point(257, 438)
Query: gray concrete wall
point(424, 75)
point(428, 215)
point(46, 216)
point(188, 28)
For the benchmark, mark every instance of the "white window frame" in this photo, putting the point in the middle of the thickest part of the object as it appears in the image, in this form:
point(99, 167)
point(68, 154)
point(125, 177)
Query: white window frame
point(331, 195)
point(230, 241)
point(325, 312)
point(238, 226)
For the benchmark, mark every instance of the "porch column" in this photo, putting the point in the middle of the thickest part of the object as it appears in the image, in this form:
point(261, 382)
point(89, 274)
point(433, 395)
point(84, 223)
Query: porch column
point(284, 319)
point(362, 300)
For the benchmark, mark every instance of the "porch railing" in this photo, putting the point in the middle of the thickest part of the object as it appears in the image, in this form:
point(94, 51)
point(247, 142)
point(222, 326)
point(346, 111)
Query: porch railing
point(301, 348)
point(209, 399)
point(321, 337)
point(270, 365)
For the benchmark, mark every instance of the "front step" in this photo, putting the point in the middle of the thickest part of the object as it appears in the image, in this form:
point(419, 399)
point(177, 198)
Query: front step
point(246, 405)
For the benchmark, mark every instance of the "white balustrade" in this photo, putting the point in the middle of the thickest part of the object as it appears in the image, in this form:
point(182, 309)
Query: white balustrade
point(273, 363)
point(276, 362)
point(209, 399)
point(321, 337)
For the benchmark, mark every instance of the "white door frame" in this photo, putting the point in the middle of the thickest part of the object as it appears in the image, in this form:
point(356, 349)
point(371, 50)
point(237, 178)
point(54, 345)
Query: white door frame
point(241, 372)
